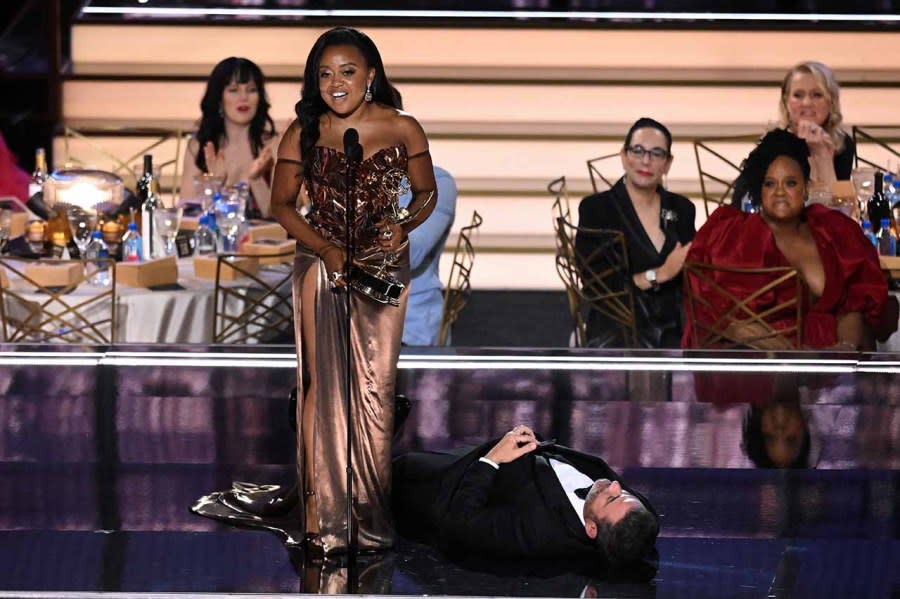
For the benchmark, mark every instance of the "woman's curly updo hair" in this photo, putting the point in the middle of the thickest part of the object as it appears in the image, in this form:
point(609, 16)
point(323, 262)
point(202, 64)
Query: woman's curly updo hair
point(311, 105)
point(774, 144)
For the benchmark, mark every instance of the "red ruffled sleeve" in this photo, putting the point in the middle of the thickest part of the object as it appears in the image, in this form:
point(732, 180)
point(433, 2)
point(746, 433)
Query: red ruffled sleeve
point(853, 278)
point(13, 180)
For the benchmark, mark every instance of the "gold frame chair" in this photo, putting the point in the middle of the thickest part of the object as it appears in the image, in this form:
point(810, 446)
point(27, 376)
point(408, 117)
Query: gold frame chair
point(595, 173)
point(559, 189)
point(589, 287)
point(57, 318)
point(459, 285)
point(707, 177)
point(123, 167)
point(715, 335)
point(267, 310)
point(862, 133)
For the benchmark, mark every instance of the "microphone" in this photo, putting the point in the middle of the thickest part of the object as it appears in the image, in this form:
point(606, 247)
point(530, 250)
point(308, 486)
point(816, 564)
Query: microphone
point(352, 149)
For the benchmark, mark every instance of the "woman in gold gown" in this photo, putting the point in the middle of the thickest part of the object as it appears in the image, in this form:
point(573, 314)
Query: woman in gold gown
point(344, 87)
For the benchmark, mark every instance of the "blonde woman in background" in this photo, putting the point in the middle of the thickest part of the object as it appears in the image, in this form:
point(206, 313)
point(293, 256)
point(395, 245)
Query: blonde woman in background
point(810, 108)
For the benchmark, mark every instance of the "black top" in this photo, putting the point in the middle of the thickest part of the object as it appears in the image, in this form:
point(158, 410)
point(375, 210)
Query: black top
point(659, 313)
point(843, 160)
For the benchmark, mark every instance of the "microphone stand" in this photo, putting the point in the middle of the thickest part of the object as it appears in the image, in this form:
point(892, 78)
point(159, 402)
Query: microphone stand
point(353, 153)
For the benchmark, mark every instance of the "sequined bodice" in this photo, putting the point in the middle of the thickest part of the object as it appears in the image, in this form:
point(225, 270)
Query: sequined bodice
point(371, 189)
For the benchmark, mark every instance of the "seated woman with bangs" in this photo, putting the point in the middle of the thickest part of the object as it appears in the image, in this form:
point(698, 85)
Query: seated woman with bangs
point(847, 291)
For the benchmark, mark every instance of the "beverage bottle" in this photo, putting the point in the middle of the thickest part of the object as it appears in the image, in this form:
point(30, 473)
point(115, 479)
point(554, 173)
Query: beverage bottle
point(892, 195)
point(132, 244)
point(57, 230)
point(747, 204)
point(39, 176)
point(867, 231)
point(887, 241)
point(58, 235)
point(97, 250)
point(148, 193)
point(36, 186)
point(878, 208)
point(204, 239)
point(211, 219)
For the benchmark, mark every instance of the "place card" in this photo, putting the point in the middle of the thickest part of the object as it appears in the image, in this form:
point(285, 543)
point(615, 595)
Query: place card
point(263, 229)
point(150, 273)
point(48, 273)
point(205, 267)
point(272, 251)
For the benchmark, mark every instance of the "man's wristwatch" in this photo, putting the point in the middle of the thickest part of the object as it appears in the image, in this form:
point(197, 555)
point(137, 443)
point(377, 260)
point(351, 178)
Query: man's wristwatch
point(650, 275)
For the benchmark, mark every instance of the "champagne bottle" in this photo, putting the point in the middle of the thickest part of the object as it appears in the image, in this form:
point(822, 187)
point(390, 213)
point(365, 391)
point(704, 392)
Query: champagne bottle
point(148, 193)
point(39, 176)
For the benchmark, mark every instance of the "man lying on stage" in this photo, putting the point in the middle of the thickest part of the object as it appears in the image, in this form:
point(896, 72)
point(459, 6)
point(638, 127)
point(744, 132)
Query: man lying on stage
point(521, 498)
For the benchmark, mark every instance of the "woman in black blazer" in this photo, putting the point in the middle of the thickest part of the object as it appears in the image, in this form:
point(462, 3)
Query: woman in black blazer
point(658, 227)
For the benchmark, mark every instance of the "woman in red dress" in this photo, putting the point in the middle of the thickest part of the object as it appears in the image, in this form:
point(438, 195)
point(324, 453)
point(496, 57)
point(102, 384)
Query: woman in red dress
point(847, 291)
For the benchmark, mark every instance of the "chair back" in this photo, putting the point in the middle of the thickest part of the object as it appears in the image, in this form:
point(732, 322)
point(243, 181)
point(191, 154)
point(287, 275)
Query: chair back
point(73, 312)
point(459, 285)
point(593, 266)
point(730, 307)
point(252, 305)
point(121, 149)
point(599, 181)
point(717, 170)
point(877, 145)
point(559, 189)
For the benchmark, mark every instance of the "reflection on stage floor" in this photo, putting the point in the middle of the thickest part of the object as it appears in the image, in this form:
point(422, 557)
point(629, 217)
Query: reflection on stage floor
point(100, 458)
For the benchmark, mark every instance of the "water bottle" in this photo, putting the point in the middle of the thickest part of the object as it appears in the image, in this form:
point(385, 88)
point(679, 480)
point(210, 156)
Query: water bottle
point(97, 250)
point(887, 241)
point(870, 235)
point(132, 244)
point(204, 238)
point(747, 204)
point(211, 215)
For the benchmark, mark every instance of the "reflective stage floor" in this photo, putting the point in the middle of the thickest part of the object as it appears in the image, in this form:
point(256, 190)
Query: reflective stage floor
point(102, 453)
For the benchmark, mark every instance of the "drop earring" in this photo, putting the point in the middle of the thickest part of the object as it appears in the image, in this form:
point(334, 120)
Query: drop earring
point(368, 96)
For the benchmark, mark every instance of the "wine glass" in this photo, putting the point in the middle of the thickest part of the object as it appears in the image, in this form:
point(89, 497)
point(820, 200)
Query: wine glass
point(229, 218)
point(82, 224)
point(167, 221)
point(863, 180)
point(206, 186)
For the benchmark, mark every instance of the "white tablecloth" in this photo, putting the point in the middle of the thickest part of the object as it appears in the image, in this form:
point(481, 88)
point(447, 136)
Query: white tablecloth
point(176, 316)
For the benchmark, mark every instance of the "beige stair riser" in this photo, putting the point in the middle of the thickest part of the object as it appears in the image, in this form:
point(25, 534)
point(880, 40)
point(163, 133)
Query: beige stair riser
point(753, 107)
point(524, 271)
point(493, 47)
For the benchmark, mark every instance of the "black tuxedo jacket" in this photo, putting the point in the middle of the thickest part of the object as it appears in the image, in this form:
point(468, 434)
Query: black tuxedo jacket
point(520, 510)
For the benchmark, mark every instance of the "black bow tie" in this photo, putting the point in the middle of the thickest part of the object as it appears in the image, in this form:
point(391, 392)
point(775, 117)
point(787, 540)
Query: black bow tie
point(582, 493)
